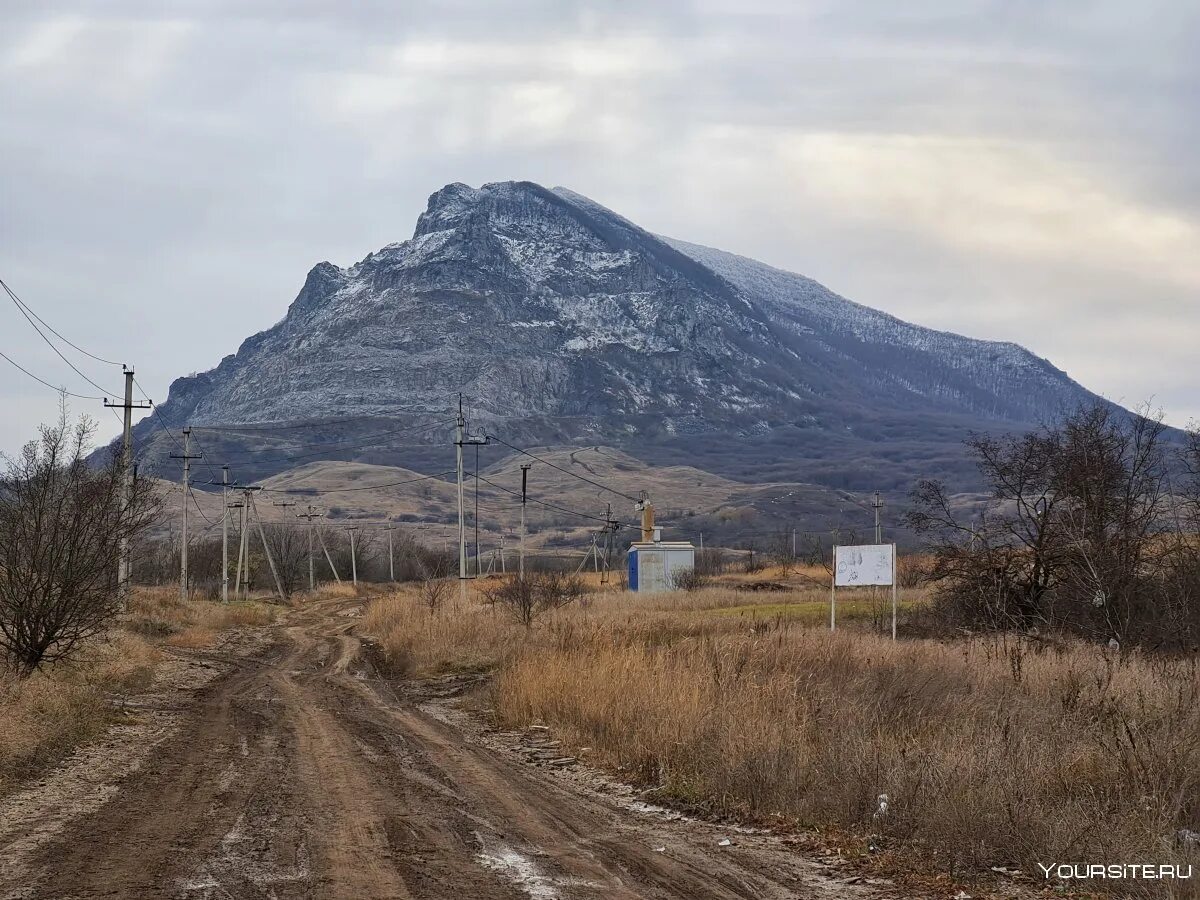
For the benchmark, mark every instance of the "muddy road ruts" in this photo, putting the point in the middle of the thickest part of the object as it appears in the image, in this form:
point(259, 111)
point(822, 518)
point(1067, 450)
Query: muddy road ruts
point(303, 772)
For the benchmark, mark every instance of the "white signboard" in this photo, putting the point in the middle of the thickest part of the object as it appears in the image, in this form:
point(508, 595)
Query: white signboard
point(864, 565)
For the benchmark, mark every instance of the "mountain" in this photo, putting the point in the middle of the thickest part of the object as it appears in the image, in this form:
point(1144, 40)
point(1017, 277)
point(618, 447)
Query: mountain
point(564, 323)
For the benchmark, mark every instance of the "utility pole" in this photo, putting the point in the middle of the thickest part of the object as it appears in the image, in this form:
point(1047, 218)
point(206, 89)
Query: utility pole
point(353, 559)
point(224, 534)
point(646, 508)
point(310, 515)
point(793, 542)
point(391, 559)
point(124, 566)
point(524, 497)
point(329, 559)
point(187, 458)
point(262, 535)
point(476, 510)
point(243, 579)
point(877, 504)
point(459, 423)
point(237, 581)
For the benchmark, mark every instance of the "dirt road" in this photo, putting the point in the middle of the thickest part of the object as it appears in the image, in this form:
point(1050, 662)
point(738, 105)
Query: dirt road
point(297, 771)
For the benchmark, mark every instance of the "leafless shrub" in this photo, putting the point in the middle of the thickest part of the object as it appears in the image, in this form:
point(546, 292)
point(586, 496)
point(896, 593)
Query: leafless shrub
point(538, 592)
point(62, 522)
point(689, 580)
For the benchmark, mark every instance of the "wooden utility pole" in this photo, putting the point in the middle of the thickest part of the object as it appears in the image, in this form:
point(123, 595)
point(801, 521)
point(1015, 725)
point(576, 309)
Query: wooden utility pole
point(124, 564)
point(646, 508)
point(187, 458)
point(524, 496)
point(310, 515)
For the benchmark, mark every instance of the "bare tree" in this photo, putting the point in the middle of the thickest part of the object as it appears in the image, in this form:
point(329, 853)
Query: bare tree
point(779, 549)
point(289, 550)
point(1073, 535)
point(536, 593)
point(62, 522)
point(435, 584)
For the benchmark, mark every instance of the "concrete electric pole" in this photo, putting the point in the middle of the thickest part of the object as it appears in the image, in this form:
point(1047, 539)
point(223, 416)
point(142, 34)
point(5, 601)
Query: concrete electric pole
point(877, 504)
point(310, 515)
point(124, 566)
point(224, 534)
point(524, 496)
point(187, 458)
point(459, 424)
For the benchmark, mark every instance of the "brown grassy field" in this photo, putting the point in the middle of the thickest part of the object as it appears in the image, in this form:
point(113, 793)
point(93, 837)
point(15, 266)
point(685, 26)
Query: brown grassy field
point(991, 753)
point(46, 716)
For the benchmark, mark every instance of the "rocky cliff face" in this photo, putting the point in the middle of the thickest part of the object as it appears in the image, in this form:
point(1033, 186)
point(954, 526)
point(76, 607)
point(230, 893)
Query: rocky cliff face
point(561, 321)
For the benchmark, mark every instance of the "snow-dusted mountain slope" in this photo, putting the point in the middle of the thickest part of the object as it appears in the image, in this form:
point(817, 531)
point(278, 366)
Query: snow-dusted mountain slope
point(562, 321)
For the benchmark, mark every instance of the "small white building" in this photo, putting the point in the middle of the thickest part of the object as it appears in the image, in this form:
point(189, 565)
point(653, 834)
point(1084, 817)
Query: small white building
point(653, 565)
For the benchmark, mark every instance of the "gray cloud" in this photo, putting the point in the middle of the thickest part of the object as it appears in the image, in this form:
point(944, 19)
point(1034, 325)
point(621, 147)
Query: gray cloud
point(1010, 170)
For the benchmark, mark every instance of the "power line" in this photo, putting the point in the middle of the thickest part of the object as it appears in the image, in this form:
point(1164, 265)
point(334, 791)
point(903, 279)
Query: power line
point(546, 503)
point(25, 306)
point(565, 471)
point(50, 344)
point(369, 487)
point(367, 441)
point(196, 504)
point(315, 424)
point(204, 459)
point(157, 418)
point(60, 390)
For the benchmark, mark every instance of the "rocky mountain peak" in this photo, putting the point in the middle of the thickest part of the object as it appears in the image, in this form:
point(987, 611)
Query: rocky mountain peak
point(569, 322)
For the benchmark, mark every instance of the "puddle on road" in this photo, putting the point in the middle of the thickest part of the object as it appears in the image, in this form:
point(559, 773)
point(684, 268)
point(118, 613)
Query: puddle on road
point(522, 871)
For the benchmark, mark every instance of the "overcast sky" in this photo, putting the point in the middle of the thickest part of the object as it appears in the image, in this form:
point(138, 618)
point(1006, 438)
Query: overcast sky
point(1012, 170)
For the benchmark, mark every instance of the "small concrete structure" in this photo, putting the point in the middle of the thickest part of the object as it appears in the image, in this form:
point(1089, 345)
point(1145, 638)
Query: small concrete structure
point(653, 565)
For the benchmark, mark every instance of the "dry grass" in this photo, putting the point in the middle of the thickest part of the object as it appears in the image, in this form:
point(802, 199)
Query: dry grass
point(461, 636)
point(991, 753)
point(44, 717)
point(159, 613)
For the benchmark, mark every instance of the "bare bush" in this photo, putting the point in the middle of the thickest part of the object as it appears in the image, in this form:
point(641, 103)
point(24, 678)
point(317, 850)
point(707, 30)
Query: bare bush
point(538, 592)
point(62, 522)
point(753, 561)
point(689, 580)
